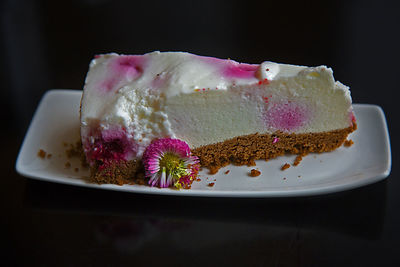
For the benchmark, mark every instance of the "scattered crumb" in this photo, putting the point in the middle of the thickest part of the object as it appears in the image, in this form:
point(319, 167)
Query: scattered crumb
point(49, 155)
point(75, 150)
point(213, 170)
point(251, 163)
point(299, 176)
point(285, 166)
point(297, 160)
point(211, 184)
point(41, 153)
point(254, 173)
point(197, 179)
point(348, 143)
point(67, 164)
point(227, 171)
point(76, 169)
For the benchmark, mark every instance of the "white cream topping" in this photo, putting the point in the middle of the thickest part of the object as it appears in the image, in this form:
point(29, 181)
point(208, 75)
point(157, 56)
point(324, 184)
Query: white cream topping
point(268, 70)
point(171, 74)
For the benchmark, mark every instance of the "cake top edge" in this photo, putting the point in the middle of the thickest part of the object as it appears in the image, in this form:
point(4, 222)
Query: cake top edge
point(291, 69)
point(182, 72)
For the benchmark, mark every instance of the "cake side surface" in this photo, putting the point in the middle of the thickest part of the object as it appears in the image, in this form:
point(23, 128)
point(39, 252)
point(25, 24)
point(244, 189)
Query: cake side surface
point(130, 101)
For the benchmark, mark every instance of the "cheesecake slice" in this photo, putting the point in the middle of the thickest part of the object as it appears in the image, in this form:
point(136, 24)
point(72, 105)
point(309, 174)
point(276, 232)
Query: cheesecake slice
point(225, 111)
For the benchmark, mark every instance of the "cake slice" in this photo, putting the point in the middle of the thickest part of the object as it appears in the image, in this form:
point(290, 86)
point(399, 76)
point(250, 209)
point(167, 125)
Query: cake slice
point(224, 111)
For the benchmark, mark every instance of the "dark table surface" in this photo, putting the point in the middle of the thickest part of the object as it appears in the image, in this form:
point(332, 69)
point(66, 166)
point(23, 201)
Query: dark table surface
point(49, 44)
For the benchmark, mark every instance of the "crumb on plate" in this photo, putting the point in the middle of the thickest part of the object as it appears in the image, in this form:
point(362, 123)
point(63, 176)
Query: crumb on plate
point(41, 153)
point(348, 143)
point(251, 163)
point(254, 173)
point(285, 166)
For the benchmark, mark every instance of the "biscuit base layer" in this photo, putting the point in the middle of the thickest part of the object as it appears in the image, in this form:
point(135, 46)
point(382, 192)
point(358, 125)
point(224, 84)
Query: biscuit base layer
point(242, 150)
point(122, 172)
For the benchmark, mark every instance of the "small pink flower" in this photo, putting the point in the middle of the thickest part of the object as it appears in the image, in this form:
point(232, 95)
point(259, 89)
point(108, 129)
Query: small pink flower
point(169, 162)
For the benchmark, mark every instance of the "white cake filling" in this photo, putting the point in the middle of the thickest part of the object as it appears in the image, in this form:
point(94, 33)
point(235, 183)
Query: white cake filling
point(204, 100)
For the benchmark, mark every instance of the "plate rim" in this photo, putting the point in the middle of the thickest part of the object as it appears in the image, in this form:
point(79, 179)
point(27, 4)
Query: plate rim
point(318, 189)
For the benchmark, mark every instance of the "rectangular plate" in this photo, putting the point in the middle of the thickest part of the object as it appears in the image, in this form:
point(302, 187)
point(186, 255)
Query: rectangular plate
point(368, 160)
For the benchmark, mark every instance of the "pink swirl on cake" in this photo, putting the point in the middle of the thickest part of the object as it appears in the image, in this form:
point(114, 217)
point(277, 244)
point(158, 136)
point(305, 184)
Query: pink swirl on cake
point(123, 69)
point(129, 66)
point(352, 118)
point(109, 145)
point(231, 69)
point(287, 116)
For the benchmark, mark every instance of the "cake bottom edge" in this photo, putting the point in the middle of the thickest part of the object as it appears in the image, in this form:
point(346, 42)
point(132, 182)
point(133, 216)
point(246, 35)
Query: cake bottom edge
point(241, 150)
point(244, 150)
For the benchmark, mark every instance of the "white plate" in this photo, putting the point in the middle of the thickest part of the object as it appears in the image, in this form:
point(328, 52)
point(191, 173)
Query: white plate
point(56, 122)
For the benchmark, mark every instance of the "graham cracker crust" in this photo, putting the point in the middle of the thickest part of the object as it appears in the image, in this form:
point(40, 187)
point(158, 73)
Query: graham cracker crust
point(242, 150)
point(122, 172)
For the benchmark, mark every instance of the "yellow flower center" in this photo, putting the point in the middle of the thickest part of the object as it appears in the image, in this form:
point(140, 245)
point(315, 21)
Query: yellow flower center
point(170, 161)
point(173, 165)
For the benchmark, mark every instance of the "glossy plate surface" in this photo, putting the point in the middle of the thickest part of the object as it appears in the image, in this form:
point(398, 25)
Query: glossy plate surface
point(368, 160)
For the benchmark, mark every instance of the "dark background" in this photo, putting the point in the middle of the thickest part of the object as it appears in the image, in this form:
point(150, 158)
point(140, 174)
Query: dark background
point(49, 44)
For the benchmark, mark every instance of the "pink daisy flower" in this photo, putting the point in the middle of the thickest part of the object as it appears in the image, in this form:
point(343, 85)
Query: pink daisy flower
point(169, 162)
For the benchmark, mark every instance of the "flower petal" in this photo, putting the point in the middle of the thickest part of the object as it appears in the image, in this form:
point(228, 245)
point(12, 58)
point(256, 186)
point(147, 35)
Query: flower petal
point(169, 180)
point(163, 178)
point(154, 179)
point(191, 160)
